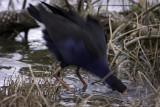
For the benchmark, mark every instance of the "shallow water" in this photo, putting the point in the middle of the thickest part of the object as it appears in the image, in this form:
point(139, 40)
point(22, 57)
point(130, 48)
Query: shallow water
point(15, 55)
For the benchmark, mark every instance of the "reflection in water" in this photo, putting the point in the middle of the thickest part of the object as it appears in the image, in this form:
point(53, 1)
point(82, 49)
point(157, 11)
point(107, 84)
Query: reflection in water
point(15, 55)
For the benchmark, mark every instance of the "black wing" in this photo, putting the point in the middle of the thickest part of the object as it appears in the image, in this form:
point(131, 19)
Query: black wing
point(62, 24)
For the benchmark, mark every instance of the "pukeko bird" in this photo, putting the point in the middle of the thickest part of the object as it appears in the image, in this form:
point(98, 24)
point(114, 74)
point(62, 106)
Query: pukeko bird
point(75, 41)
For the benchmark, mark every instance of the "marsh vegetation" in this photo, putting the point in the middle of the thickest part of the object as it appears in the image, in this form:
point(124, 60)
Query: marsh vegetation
point(132, 34)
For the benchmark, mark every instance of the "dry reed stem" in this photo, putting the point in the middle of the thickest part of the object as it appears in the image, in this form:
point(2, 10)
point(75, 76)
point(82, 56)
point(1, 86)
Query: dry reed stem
point(26, 98)
point(148, 63)
point(41, 94)
point(142, 74)
point(141, 38)
point(124, 34)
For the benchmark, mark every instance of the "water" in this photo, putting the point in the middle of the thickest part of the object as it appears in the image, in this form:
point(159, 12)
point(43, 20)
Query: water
point(15, 55)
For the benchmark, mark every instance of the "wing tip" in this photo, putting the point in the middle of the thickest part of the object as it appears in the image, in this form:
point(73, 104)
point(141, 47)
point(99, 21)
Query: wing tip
point(34, 12)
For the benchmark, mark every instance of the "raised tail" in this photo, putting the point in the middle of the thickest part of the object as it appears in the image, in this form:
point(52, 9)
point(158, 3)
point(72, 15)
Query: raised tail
point(34, 12)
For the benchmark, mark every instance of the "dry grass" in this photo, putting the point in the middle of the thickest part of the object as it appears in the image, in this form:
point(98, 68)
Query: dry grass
point(44, 92)
point(32, 92)
point(135, 57)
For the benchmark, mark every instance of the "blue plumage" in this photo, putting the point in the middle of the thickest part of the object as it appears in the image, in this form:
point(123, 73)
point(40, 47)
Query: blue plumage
point(76, 41)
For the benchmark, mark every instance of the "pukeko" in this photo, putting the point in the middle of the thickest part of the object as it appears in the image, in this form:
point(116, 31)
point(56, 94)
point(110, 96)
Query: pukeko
point(75, 41)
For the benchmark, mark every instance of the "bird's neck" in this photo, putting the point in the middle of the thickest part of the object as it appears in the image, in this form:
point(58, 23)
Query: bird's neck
point(101, 69)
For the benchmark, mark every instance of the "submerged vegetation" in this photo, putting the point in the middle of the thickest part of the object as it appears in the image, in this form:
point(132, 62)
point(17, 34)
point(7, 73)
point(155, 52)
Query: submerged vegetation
point(133, 52)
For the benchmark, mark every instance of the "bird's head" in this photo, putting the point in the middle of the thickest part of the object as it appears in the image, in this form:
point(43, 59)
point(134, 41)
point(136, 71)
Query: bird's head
point(116, 84)
point(101, 69)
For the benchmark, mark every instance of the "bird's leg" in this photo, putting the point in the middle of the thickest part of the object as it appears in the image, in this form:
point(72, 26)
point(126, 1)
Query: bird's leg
point(80, 77)
point(57, 75)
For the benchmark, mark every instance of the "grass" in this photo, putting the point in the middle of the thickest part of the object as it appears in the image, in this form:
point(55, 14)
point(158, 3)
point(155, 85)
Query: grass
point(134, 52)
point(46, 92)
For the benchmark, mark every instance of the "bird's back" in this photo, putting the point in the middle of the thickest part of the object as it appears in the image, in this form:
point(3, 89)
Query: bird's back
point(67, 24)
